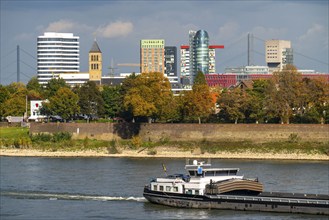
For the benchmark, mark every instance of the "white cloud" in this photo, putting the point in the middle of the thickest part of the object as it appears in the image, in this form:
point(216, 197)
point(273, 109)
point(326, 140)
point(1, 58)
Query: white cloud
point(64, 25)
point(60, 26)
point(315, 35)
point(228, 30)
point(115, 29)
point(269, 33)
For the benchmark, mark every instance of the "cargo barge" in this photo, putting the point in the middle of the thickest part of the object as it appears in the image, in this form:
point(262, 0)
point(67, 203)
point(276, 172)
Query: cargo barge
point(222, 188)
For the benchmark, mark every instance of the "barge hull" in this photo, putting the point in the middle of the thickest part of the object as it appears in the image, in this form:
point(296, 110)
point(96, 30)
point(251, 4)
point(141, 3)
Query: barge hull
point(243, 203)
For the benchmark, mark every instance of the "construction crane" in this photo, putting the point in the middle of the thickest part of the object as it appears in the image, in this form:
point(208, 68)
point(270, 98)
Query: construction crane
point(129, 64)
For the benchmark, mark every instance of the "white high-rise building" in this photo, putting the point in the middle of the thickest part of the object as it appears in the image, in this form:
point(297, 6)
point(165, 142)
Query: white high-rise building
point(278, 54)
point(57, 53)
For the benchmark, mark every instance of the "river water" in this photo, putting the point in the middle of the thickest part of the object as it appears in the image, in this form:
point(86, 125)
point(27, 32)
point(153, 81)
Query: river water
point(112, 188)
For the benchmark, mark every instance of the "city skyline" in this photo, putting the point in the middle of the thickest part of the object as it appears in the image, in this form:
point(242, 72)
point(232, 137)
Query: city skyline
point(119, 26)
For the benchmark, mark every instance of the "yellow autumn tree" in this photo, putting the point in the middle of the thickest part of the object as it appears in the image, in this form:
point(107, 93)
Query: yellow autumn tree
point(198, 103)
point(149, 95)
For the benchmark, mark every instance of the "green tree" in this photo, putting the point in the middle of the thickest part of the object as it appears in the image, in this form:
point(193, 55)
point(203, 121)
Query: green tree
point(148, 95)
point(33, 84)
point(15, 87)
point(4, 96)
point(283, 93)
point(53, 86)
point(90, 100)
point(255, 103)
point(35, 91)
point(233, 104)
point(15, 105)
point(112, 100)
point(63, 103)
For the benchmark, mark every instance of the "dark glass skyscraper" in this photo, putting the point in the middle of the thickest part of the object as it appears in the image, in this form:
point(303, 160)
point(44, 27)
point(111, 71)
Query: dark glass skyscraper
point(170, 61)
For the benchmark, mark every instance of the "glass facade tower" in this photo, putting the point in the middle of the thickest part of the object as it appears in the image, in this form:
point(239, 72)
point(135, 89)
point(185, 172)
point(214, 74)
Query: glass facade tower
point(201, 52)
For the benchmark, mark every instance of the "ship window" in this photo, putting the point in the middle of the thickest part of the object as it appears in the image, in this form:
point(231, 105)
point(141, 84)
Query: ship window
point(192, 172)
point(168, 188)
point(175, 189)
point(233, 172)
point(161, 188)
point(189, 192)
point(210, 173)
point(221, 173)
point(155, 188)
point(197, 192)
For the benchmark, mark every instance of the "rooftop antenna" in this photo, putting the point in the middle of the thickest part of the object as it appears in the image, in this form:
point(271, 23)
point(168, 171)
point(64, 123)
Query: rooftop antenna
point(112, 68)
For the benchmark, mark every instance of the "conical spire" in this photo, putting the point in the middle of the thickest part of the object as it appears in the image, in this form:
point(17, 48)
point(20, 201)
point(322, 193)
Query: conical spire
point(95, 48)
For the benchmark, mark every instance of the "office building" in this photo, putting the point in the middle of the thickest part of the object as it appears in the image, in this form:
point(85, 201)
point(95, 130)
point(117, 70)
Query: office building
point(170, 61)
point(56, 53)
point(278, 54)
point(185, 61)
point(197, 56)
point(152, 55)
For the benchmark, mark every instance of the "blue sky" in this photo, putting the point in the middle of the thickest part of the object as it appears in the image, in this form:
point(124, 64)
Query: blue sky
point(118, 27)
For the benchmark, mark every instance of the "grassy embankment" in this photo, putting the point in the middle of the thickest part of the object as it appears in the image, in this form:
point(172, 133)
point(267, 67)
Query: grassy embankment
point(18, 138)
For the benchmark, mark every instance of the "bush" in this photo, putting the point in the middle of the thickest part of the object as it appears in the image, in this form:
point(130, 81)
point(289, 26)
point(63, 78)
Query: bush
point(41, 137)
point(56, 137)
point(17, 144)
point(85, 142)
point(61, 136)
point(112, 147)
point(136, 142)
point(294, 138)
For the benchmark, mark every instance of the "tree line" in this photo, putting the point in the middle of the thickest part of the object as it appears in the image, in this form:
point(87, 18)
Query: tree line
point(285, 98)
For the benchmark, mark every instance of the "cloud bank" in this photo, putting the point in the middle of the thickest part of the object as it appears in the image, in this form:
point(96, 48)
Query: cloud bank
point(115, 29)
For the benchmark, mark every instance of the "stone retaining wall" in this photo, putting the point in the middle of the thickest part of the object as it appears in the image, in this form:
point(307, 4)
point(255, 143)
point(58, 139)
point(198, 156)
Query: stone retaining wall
point(184, 132)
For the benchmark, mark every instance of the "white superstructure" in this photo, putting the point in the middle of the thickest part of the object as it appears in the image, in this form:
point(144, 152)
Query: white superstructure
point(199, 175)
point(57, 53)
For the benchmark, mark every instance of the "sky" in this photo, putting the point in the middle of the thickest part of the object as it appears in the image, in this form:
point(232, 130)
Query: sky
point(118, 27)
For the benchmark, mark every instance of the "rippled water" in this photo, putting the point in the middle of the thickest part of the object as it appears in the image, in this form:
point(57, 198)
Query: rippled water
point(112, 188)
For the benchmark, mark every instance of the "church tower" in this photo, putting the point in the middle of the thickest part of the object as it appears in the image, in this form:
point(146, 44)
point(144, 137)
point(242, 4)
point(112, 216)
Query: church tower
point(95, 63)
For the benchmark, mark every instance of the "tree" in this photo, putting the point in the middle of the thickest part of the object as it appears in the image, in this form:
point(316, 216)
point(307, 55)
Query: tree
point(255, 105)
point(315, 99)
point(15, 104)
point(112, 100)
point(63, 103)
point(53, 86)
point(90, 100)
point(283, 93)
point(35, 91)
point(148, 96)
point(4, 95)
point(33, 84)
point(232, 103)
point(198, 103)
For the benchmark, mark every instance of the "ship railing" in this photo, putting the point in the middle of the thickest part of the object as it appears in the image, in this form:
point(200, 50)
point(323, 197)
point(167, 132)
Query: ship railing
point(267, 199)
